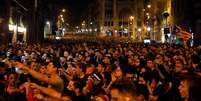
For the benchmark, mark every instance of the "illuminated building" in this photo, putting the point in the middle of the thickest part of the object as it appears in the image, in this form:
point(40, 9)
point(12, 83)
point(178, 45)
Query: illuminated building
point(115, 18)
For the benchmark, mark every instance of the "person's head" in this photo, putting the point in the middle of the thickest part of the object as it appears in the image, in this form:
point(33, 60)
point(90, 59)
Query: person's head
point(123, 91)
point(52, 67)
point(12, 77)
point(90, 69)
point(62, 60)
point(33, 65)
point(166, 59)
point(100, 68)
point(153, 82)
point(130, 76)
point(141, 80)
point(190, 88)
point(106, 60)
point(130, 53)
point(2, 68)
point(136, 62)
point(81, 57)
point(179, 65)
point(43, 69)
point(159, 57)
point(118, 72)
point(150, 63)
point(99, 95)
point(75, 86)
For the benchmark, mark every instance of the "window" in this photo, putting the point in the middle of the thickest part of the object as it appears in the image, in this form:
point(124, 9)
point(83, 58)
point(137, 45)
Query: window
point(105, 23)
point(108, 23)
point(112, 23)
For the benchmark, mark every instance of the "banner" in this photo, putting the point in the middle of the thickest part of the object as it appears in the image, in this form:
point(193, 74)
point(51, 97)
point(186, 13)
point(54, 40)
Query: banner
point(183, 34)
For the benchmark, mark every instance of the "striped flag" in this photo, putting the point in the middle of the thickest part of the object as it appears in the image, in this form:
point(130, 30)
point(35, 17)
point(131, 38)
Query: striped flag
point(182, 34)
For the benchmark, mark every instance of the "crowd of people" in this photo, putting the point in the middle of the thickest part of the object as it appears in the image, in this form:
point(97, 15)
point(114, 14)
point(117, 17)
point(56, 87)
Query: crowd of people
point(92, 71)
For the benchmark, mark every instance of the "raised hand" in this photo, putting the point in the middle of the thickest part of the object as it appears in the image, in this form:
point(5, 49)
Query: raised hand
point(34, 85)
point(113, 77)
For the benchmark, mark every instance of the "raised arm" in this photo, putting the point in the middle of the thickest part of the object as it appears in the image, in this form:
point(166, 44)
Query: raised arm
point(37, 75)
point(48, 91)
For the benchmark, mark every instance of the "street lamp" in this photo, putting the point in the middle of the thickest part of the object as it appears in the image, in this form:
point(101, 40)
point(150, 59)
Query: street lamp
point(149, 6)
point(131, 17)
point(139, 34)
point(62, 19)
point(63, 10)
point(130, 22)
point(148, 29)
point(148, 32)
point(166, 14)
point(139, 29)
point(61, 16)
point(48, 23)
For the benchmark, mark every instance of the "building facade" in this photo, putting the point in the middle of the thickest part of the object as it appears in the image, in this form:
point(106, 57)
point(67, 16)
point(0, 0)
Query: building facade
point(187, 15)
point(22, 20)
point(136, 19)
point(3, 21)
point(115, 16)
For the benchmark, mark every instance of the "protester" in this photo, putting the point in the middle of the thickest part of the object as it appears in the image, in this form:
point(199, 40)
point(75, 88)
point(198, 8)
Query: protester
point(99, 69)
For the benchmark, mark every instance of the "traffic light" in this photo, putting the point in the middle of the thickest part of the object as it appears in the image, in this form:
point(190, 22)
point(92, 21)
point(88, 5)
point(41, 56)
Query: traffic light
point(166, 30)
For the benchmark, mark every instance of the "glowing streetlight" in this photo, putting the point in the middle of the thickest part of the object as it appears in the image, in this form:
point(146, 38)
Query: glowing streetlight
point(90, 30)
point(139, 29)
point(48, 23)
point(91, 23)
point(115, 31)
point(148, 17)
point(149, 6)
point(131, 17)
point(63, 10)
point(148, 29)
point(95, 29)
point(62, 19)
point(61, 15)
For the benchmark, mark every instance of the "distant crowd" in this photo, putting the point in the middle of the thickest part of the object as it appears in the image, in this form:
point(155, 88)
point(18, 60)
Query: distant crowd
point(80, 70)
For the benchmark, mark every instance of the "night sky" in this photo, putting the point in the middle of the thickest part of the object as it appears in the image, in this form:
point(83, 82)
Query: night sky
point(76, 8)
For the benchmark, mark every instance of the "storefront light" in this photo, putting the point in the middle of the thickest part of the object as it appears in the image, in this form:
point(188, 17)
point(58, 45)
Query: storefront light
point(14, 28)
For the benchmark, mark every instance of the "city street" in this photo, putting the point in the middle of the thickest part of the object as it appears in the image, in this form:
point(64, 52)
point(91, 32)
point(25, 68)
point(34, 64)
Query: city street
point(100, 50)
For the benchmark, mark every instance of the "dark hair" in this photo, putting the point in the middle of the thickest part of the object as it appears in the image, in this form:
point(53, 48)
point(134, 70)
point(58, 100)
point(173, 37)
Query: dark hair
point(195, 59)
point(2, 64)
point(194, 82)
point(125, 86)
point(56, 64)
point(181, 61)
point(78, 84)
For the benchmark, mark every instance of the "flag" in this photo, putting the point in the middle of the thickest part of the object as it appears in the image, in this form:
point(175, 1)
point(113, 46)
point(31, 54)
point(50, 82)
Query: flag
point(182, 34)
